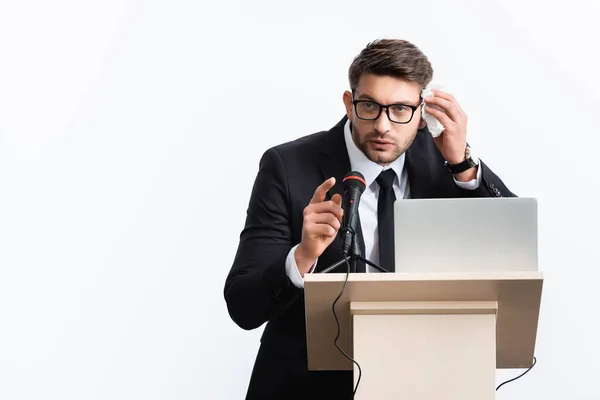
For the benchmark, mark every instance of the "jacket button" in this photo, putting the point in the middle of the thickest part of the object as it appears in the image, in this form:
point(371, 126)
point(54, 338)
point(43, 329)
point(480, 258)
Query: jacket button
point(494, 190)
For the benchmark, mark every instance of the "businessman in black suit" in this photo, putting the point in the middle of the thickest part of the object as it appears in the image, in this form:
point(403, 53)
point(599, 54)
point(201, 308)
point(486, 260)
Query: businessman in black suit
point(295, 212)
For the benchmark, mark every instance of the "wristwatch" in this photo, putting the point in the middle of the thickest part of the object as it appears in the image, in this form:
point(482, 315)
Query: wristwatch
point(470, 161)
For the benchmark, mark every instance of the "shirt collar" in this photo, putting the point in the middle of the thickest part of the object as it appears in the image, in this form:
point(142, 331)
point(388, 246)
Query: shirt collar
point(369, 169)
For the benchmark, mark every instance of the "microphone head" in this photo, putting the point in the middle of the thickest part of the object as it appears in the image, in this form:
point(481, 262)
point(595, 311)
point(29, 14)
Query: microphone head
point(355, 179)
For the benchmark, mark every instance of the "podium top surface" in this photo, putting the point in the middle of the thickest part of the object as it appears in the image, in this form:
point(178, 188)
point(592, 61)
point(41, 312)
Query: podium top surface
point(517, 293)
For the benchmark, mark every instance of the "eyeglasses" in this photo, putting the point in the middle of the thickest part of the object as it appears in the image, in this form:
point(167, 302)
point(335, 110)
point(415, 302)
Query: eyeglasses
point(397, 113)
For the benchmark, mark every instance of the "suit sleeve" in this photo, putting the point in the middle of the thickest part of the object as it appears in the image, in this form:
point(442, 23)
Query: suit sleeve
point(491, 185)
point(257, 286)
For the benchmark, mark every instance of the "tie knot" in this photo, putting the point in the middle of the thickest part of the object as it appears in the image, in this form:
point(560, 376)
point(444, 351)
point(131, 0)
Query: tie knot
point(386, 178)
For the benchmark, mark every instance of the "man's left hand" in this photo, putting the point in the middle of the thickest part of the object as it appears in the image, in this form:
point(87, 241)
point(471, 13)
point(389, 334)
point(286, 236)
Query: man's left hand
point(453, 140)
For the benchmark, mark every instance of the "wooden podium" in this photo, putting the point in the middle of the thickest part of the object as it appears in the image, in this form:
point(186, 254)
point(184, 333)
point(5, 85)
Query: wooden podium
point(429, 336)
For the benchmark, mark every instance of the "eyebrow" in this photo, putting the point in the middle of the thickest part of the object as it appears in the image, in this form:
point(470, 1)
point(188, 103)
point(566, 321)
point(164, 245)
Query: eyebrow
point(367, 97)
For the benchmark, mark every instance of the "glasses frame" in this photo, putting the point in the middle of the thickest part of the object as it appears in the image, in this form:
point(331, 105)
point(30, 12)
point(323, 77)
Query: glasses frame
point(387, 110)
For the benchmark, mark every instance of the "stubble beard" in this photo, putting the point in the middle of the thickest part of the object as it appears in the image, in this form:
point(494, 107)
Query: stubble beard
point(379, 157)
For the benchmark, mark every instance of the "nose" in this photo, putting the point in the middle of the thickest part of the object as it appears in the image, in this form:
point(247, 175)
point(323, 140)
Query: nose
point(383, 123)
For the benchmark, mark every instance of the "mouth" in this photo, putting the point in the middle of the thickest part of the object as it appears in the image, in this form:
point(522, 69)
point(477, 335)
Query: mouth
point(381, 144)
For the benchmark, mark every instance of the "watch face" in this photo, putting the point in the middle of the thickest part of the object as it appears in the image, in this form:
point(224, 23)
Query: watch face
point(474, 158)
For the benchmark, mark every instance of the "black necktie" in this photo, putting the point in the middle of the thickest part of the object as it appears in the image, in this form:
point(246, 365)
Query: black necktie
point(385, 219)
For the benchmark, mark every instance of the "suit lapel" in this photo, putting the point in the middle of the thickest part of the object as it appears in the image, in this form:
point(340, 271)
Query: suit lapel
point(334, 161)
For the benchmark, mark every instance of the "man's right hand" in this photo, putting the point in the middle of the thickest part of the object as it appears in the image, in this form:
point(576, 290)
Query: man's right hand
point(322, 220)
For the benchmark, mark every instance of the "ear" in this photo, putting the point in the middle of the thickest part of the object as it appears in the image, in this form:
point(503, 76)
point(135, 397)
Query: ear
point(348, 104)
point(422, 121)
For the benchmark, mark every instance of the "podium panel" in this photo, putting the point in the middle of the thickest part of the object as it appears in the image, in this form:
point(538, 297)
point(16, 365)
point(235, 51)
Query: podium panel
point(432, 350)
point(517, 295)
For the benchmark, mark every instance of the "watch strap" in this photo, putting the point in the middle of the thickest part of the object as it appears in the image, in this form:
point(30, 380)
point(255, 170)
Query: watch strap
point(462, 166)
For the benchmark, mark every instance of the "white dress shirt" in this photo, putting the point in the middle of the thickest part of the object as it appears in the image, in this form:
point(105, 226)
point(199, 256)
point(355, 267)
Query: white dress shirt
point(367, 208)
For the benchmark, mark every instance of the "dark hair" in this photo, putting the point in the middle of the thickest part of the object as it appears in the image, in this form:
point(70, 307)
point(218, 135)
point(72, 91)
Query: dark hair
point(392, 57)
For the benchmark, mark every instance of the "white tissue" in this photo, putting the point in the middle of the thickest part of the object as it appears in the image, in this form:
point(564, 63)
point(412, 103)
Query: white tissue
point(434, 126)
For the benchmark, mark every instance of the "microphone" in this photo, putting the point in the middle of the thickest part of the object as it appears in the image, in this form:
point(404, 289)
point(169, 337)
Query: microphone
point(354, 186)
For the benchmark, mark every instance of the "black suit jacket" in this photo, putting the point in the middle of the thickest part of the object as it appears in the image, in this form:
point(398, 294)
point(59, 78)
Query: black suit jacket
point(257, 289)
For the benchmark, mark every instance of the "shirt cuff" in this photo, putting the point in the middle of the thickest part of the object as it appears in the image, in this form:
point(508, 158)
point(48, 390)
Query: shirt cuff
point(472, 184)
point(291, 269)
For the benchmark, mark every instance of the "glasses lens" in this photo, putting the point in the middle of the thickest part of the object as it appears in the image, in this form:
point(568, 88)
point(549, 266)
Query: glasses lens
point(400, 113)
point(367, 110)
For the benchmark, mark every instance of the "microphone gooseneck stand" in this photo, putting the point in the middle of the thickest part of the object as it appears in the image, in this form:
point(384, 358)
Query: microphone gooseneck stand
point(353, 257)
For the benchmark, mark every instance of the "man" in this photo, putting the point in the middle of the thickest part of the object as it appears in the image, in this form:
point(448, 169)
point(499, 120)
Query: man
point(295, 212)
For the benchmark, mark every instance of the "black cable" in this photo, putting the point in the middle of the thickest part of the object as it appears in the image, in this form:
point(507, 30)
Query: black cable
point(352, 360)
point(338, 329)
point(514, 379)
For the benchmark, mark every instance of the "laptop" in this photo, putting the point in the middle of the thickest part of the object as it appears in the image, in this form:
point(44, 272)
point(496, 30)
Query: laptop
point(466, 235)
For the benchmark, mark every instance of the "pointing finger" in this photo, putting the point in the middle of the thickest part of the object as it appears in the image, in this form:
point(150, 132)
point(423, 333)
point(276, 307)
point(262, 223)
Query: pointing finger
point(322, 190)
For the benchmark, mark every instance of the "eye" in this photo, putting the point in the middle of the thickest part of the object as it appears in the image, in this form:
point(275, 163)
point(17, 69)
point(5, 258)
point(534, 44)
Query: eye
point(368, 105)
point(398, 108)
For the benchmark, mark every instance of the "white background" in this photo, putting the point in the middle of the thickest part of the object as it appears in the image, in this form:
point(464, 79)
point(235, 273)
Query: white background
point(130, 133)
